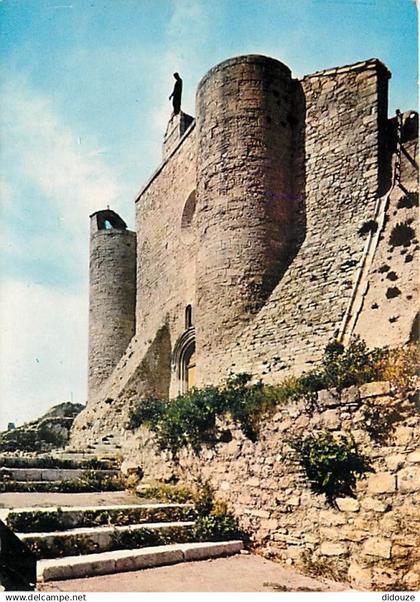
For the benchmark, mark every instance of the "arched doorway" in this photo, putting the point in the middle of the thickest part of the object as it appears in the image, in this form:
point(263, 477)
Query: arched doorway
point(183, 361)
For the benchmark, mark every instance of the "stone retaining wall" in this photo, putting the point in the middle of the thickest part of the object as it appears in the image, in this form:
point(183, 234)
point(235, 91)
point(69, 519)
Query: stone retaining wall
point(371, 539)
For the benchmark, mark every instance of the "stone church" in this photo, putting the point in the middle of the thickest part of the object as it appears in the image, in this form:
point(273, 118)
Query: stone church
point(281, 216)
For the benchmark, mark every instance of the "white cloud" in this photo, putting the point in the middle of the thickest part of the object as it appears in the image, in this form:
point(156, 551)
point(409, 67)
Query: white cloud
point(67, 177)
point(49, 176)
point(43, 337)
point(51, 154)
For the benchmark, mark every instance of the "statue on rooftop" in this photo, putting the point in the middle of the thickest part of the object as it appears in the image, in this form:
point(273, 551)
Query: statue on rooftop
point(176, 94)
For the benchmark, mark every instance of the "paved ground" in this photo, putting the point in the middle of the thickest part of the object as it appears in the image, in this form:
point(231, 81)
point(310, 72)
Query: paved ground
point(105, 498)
point(235, 574)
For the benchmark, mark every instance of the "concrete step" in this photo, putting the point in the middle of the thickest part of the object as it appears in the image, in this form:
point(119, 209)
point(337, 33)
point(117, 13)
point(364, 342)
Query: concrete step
point(52, 474)
point(102, 539)
point(118, 561)
point(36, 519)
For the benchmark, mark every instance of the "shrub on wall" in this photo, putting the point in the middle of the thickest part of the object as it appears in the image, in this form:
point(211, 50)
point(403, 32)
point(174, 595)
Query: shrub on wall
point(400, 366)
point(331, 463)
point(146, 411)
point(343, 367)
point(191, 419)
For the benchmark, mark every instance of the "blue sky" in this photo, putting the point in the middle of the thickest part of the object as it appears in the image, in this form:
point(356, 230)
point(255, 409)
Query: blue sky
point(84, 95)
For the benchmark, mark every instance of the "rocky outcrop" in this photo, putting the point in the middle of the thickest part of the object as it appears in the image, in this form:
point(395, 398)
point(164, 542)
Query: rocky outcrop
point(48, 432)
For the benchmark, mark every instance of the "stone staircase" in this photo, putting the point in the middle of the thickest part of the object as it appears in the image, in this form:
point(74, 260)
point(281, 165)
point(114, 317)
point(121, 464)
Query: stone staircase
point(71, 539)
point(79, 542)
point(61, 472)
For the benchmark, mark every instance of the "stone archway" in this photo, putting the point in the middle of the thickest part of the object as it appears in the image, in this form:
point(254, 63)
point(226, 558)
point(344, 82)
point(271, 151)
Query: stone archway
point(183, 361)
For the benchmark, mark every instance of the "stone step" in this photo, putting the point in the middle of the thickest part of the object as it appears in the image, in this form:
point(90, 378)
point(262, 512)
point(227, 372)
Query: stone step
point(57, 459)
point(62, 486)
point(71, 452)
point(73, 567)
point(102, 539)
point(53, 518)
point(106, 449)
point(52, 474)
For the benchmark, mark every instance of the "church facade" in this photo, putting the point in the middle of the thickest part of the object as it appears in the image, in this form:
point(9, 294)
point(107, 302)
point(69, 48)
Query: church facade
point(281, 216)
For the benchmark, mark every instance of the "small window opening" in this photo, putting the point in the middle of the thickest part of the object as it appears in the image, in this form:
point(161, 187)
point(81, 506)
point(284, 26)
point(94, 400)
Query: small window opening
point(188, 316)
point(107, 225)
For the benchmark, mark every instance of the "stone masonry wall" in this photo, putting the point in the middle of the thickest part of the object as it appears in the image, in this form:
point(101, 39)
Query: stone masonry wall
point(390, 292)
point(167, 247)
point(372, 539)
point(343, 117)
point(165, 256)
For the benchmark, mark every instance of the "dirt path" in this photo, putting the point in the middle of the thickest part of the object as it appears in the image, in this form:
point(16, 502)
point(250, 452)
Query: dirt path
point(236, 574)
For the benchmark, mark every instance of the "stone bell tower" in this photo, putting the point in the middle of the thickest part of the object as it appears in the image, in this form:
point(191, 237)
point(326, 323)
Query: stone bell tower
point(112, 294)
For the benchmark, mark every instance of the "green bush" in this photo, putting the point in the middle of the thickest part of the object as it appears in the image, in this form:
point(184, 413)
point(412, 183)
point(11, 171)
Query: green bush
point(352, 365)
point(247, 403)
point(331, 463)
point(167, 493)
point(203, 498)
point(216, 527)
point(146, 411)
point(214, 522)
point(341, 367)
point(191, 418)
